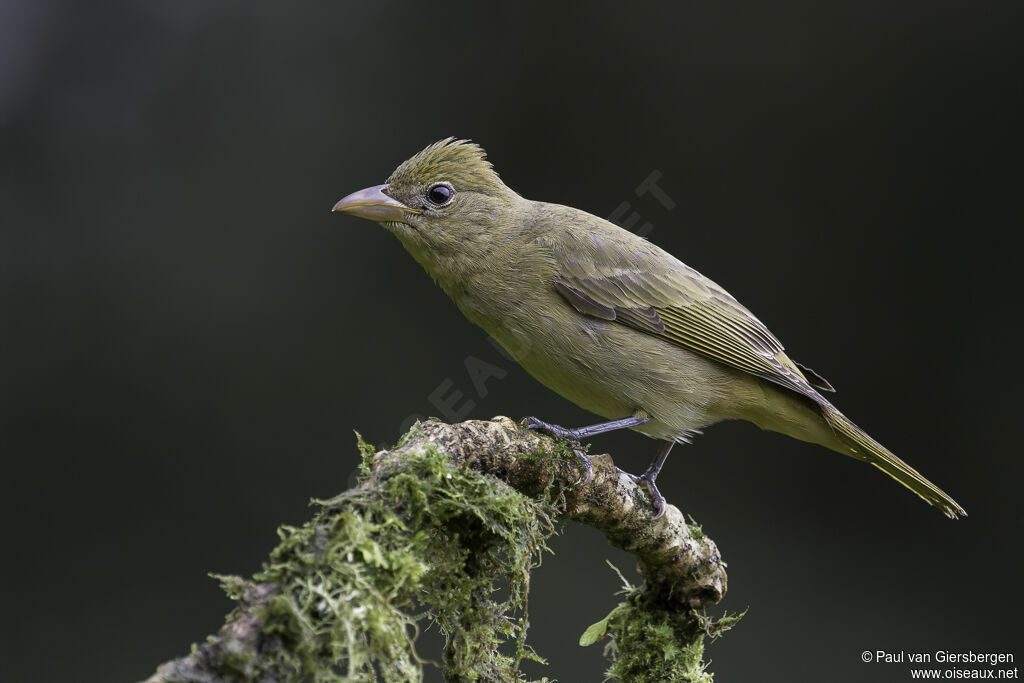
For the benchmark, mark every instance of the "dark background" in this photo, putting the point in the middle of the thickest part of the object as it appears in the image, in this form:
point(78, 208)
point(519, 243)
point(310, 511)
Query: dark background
point(190, 336)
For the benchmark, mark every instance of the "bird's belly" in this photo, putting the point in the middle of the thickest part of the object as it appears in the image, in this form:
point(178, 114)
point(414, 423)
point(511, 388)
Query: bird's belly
point(616, 371)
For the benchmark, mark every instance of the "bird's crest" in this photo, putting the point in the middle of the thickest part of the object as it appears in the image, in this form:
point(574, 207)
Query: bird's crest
point(460, 162)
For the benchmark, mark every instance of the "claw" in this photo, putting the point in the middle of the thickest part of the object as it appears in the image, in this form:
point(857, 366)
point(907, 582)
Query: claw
point(556, 431)
point(657, 500)
point(586, 465)
point(564, 434)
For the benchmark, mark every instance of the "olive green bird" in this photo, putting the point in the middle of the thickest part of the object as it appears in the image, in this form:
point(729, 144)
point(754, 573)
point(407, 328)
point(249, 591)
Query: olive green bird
point(608, 320)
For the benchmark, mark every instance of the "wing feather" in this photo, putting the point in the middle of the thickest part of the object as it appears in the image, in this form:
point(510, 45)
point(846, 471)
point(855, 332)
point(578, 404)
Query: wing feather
point(682, 306)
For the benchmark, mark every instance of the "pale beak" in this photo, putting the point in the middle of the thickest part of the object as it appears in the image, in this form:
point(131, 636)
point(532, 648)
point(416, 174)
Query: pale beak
point(374, 205)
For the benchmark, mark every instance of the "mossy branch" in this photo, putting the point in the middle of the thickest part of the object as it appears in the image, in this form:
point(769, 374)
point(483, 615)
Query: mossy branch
point(436, 524)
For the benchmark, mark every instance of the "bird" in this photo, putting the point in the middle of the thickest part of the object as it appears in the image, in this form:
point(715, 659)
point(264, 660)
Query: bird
point(607, 319)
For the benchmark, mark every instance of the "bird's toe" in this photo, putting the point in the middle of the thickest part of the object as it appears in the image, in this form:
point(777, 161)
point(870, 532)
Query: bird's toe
point(657, 500)
point(554, 430)
point(586, 466)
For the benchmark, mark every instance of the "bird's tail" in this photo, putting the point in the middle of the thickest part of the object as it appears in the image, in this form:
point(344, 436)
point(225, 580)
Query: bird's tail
point(863, 447)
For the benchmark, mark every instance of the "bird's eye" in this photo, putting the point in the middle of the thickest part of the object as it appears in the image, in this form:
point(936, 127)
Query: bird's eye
point(440, 194)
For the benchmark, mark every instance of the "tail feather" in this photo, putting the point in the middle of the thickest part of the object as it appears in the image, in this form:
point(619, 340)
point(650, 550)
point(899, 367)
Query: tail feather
point(863, 447)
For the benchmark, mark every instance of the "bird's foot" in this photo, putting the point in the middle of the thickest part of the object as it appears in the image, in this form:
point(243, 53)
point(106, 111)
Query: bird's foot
point(570, 435)
point(556, 431)
point(657, 499)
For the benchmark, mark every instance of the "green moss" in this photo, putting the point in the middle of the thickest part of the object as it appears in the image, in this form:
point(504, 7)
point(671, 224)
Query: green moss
point(696, 530)
point(366, 451)
point(652, 644)
point(422, 542)
point(411, 434)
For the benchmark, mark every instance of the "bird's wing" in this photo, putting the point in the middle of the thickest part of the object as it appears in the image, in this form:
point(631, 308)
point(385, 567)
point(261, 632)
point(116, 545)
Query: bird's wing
point(668, 299)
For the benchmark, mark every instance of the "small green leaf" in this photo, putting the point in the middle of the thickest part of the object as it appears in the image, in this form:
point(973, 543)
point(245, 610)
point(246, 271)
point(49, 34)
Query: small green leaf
point(594, 632)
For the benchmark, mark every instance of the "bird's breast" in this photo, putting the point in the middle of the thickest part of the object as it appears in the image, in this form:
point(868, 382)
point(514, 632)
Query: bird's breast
point(602, 366)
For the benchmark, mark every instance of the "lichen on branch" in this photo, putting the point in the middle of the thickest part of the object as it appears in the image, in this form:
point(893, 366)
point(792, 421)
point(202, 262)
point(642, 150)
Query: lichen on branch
point(435, 527)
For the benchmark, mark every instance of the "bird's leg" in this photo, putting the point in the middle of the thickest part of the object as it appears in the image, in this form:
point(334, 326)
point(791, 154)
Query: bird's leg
point(581, 433)
point(648, 477)
point(576, 435)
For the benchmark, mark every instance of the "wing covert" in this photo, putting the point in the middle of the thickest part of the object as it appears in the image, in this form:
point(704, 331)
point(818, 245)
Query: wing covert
point(687, 309)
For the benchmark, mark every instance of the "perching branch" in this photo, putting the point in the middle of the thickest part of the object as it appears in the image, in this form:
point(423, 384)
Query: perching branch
point(436, 523)
point(685, 568)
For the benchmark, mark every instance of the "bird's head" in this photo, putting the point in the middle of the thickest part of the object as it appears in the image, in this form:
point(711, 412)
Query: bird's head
point(446, 205)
